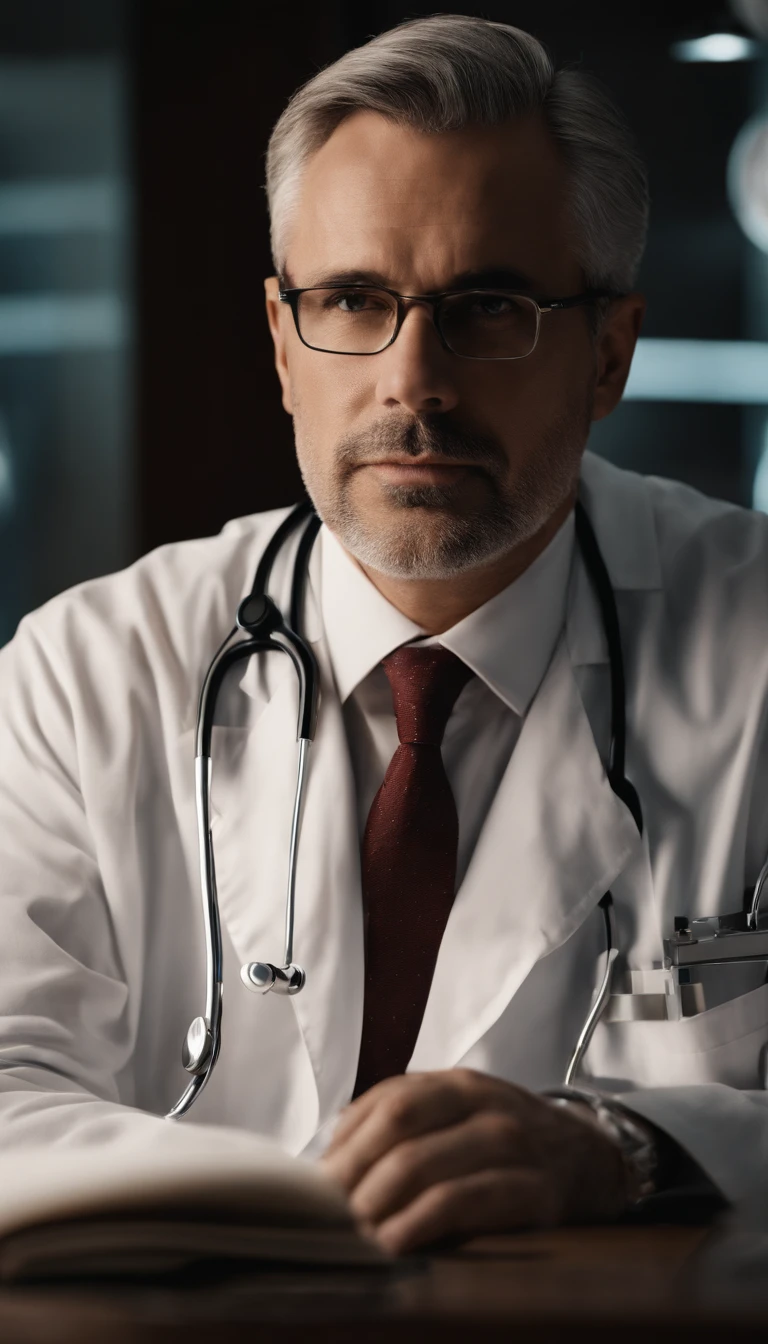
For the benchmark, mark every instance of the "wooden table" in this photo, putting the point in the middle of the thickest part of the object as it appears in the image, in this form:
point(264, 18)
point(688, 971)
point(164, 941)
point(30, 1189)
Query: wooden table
point(625, 1283)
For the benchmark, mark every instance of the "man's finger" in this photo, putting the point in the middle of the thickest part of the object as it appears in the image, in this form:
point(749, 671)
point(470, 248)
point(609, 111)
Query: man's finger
point(484, 1139)
point(482, 1087)
point(354, 1114)
point(399, 1114)
point(484, 1202)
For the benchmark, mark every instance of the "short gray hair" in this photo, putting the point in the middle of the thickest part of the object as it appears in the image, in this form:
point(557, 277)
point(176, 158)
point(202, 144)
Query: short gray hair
point(448, 72)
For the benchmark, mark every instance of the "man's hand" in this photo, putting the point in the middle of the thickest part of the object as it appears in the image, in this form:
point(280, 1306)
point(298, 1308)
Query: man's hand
point(456, 1153)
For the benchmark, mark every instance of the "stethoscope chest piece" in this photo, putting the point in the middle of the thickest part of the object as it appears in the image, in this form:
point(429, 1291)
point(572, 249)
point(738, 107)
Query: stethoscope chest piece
point(261, 976)
point(198, 1044)
point(258, 615)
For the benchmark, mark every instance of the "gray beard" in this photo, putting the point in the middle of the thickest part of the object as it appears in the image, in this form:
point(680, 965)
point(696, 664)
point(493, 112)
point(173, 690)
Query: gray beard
point(437, 542)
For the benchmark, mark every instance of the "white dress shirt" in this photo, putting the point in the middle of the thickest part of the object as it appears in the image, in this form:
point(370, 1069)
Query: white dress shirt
point(508, 642)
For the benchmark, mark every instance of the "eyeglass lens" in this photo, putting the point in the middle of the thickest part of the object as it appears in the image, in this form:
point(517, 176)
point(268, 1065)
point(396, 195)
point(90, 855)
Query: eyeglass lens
point(478, 324)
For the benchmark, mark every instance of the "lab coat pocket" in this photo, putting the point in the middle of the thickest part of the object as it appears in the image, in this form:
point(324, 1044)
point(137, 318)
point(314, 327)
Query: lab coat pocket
point(719, 1045)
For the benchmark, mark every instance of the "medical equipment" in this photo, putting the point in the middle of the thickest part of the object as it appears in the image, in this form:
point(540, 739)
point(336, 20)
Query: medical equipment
point(663, 992)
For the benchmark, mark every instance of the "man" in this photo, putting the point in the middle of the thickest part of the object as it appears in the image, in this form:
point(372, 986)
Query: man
point(434, 196)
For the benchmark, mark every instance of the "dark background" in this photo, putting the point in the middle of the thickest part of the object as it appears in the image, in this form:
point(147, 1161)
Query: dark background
point(204, 437)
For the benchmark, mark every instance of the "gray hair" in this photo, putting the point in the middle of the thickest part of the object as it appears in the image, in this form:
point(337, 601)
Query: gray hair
point(447, 72)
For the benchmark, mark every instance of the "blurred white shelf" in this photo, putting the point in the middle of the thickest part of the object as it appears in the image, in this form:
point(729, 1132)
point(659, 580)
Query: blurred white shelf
point(95, 205)
point(42, 324)
point(734, 372)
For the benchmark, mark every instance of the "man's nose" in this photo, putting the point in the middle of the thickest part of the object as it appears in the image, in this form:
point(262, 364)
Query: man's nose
point(417, 371)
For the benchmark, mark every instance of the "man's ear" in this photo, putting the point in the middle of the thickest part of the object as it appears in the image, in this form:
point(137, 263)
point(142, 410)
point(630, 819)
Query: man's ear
point(615, 347)
point(276, 320)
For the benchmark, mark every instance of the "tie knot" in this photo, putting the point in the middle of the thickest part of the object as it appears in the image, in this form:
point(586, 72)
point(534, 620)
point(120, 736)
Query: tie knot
point(425, 687)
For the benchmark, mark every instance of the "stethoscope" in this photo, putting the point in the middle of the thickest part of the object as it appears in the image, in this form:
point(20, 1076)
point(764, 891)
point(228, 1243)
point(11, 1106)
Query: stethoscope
point(265, 630)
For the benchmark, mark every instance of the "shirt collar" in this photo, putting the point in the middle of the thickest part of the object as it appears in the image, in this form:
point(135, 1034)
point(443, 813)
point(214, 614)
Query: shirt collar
point(507, 642)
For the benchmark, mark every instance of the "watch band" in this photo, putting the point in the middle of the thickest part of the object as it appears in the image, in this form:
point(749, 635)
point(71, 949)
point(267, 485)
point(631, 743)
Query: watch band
point(635, 1138)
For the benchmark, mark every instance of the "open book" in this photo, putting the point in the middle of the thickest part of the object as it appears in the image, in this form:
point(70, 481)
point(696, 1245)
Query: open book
point(87, 1212)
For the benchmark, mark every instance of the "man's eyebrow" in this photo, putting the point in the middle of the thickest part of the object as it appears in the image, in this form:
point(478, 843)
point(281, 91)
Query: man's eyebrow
point(490, 277)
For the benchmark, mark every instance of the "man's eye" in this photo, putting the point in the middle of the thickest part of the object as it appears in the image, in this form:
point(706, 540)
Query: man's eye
point(352, 301)
point(494, 305)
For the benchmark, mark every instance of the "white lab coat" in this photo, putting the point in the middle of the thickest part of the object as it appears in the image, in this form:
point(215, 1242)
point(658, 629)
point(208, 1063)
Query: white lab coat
point(101, 938)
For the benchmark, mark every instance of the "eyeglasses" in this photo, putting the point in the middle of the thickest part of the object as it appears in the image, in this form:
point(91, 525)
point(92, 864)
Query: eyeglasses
point(473, 324)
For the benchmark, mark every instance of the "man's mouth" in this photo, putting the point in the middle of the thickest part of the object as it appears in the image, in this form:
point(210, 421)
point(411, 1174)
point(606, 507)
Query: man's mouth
point(421, 471)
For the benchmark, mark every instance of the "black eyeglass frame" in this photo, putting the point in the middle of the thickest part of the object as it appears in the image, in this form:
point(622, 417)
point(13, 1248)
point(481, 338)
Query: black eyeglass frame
point(405, 301)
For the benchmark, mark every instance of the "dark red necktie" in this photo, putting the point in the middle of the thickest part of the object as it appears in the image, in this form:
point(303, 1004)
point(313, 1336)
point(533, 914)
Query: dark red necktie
point(408, 861)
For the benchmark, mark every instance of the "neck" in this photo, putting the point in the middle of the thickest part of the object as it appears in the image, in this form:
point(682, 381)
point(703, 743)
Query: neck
point(438, 604)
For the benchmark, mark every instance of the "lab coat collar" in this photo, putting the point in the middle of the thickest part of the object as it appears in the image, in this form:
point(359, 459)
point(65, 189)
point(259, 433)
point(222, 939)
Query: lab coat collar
point(620, 510)
point(619, 507)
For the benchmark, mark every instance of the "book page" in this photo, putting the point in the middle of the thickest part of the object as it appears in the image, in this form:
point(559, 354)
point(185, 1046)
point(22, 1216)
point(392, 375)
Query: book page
point(76, 1202)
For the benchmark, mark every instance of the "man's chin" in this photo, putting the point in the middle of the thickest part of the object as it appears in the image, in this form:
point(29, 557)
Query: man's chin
point(418, 542)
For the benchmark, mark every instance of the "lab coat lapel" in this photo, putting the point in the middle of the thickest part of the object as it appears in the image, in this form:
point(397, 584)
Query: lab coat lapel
point(555, 839)
point(329, 920)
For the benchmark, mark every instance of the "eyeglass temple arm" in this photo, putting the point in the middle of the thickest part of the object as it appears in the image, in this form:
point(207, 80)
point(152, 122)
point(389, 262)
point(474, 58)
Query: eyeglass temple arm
point(576, 300)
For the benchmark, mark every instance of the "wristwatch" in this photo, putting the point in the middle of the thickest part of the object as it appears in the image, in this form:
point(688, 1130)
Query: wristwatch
point(635, 1138)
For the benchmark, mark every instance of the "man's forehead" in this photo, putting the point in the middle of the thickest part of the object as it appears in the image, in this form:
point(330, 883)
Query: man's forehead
point(397, 148)
point(379, 197)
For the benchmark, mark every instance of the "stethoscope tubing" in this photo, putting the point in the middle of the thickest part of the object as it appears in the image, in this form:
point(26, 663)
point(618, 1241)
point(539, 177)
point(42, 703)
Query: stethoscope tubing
point(601, 998)
point(266, 631)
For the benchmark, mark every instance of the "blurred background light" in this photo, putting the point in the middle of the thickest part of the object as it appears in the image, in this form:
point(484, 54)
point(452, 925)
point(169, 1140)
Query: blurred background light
point(49, 323)
point(748, 180)
point(727, 372)
point(7, 488)
point(717, 47)
point(61, 207)
point(67, 445)
point(760, 484)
